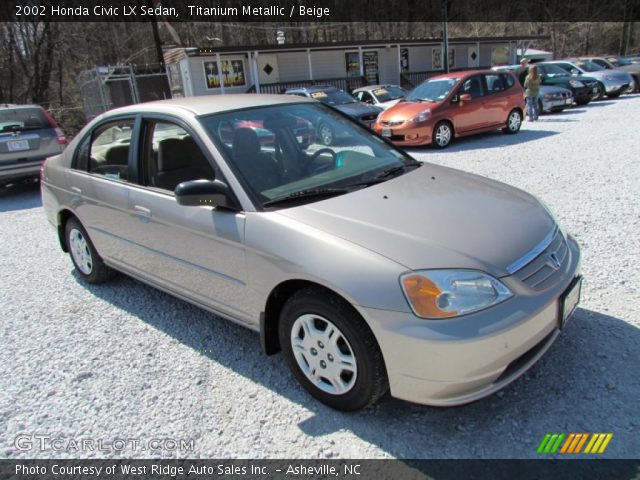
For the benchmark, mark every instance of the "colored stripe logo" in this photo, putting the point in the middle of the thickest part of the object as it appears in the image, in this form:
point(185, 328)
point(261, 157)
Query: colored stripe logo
point(574, 442)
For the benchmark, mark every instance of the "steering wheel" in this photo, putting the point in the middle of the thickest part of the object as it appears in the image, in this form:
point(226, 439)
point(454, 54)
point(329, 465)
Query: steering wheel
point(321, 167)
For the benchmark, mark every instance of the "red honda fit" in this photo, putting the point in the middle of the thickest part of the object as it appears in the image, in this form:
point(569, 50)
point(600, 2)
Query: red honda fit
point(454, 104)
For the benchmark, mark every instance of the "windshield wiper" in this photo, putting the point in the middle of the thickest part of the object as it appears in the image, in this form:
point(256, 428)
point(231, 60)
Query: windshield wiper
point(389, 172)
point(306, 195)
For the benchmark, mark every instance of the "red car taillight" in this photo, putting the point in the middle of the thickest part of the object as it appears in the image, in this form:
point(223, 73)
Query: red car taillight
point(62, 140)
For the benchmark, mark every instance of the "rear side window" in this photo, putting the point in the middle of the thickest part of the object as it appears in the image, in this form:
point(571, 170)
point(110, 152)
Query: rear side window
point(494, 83)
point(507, 80)
point(13, 119)
point(109, 150)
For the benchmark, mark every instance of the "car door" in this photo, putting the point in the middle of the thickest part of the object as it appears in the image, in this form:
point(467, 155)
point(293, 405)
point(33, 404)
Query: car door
point(496, 101)
point(195, 251)
point(99, 183)
point(470, 115)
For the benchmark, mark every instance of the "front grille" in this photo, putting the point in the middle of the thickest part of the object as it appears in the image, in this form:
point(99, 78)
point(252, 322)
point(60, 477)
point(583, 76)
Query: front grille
point(543, 271)
point(389, 123)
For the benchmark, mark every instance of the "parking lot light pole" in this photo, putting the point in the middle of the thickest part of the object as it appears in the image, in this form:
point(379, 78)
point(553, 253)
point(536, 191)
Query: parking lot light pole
point(445, 36)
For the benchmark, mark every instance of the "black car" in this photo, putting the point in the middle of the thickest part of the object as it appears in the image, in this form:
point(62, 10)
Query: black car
point(584, 88)
point(340, 100)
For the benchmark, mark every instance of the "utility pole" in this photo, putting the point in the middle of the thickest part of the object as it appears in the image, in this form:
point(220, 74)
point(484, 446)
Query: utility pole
point(445, 36)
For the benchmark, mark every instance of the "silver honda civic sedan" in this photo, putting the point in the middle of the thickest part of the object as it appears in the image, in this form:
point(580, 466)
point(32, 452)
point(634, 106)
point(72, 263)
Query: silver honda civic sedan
point(370, 271)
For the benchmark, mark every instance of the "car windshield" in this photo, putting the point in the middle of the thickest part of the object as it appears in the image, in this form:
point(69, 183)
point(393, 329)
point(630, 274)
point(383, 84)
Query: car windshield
point(552, 71)
point(277, 153)
point(620, 61)
point(590, 66)
point(432, 90)
point(333, 97)
point(388, 93)
point(13, 119)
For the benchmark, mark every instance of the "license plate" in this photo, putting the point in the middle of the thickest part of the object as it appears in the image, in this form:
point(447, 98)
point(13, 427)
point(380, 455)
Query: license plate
point(17, 145)
point(568, 101)
point(386, 132)
point(569, 301)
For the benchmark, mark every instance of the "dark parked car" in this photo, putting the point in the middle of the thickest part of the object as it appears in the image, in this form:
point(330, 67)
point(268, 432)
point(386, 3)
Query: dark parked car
point(28, 135)
point(584, 88)
point(341, 100)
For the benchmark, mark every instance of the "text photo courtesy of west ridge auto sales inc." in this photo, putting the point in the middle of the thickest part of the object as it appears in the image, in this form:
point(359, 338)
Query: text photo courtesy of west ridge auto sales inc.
point(392, 246)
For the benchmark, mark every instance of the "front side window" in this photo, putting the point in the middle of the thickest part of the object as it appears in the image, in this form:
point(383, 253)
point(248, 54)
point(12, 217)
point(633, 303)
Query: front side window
point(171, 156)
point(277, 154)
point(473, 87)
point(109, 150)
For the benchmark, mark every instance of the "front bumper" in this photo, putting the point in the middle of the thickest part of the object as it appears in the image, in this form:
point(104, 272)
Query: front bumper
point(457, 361)
point(406, 134)
point(616, 86)
point(556, 103)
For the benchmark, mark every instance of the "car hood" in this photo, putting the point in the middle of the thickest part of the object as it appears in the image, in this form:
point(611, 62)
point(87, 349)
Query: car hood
point(435, 217)
point(388, 104)
point(357, 109)
point(405, 110)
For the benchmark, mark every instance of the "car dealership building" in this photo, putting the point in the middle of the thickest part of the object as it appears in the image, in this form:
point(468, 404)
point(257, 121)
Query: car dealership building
point(196, 71)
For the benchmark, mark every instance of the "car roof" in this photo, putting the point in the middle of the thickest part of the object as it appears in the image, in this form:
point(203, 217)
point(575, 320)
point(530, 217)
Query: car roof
point(368, 88)
point(460, 74)
point(208, 104)
point(313, 88)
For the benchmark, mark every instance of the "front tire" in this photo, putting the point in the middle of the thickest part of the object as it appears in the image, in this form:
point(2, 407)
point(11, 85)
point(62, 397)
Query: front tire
point(514, 122)
point(83, 254)
point(331, 351)
point(442, 135)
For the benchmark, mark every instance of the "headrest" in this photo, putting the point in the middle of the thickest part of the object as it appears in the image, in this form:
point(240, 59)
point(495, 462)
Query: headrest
point(171, 154)
point(117, 155)
point(245, 142)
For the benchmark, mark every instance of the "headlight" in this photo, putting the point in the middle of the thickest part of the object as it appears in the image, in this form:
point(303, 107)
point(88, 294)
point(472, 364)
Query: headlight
point(548, 95)
point(448, 293)
point(576, 83)
point(422, 116)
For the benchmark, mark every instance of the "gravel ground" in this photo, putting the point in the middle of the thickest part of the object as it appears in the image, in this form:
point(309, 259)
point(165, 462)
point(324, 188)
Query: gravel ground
point(125, 361)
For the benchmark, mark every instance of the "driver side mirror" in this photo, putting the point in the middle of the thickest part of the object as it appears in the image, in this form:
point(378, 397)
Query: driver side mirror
point(211, 193)
point(465, 97)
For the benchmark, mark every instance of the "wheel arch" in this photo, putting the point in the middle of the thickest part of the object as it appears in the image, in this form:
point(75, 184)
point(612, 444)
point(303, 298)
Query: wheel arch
point(270, 317)
point(63, 216)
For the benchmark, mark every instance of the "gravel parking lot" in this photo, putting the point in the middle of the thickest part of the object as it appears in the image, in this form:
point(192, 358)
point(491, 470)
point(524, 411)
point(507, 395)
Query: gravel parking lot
point(125, 361)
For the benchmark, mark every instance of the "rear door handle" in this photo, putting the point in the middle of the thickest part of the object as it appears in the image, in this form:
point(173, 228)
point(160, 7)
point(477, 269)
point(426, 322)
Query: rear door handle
point(76, 190)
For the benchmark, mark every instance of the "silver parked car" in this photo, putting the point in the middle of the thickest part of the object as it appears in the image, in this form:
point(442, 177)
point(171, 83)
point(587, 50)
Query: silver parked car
point(615, 82)
point(28, 135)
point(370, 271)
point(383, 96)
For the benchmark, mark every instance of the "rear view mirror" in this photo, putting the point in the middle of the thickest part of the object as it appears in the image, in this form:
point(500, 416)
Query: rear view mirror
point(212, 193)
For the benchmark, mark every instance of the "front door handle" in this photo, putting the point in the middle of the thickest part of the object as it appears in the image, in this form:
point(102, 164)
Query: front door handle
point(76, 190)
point(143, 212)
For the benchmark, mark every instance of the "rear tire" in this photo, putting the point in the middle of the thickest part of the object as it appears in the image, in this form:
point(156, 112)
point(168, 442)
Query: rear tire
point(83, 254)
point(331, 350)
point(514, 122)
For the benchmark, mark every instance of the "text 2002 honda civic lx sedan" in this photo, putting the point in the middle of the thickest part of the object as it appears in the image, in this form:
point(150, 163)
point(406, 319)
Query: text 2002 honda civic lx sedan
point(369, 270)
